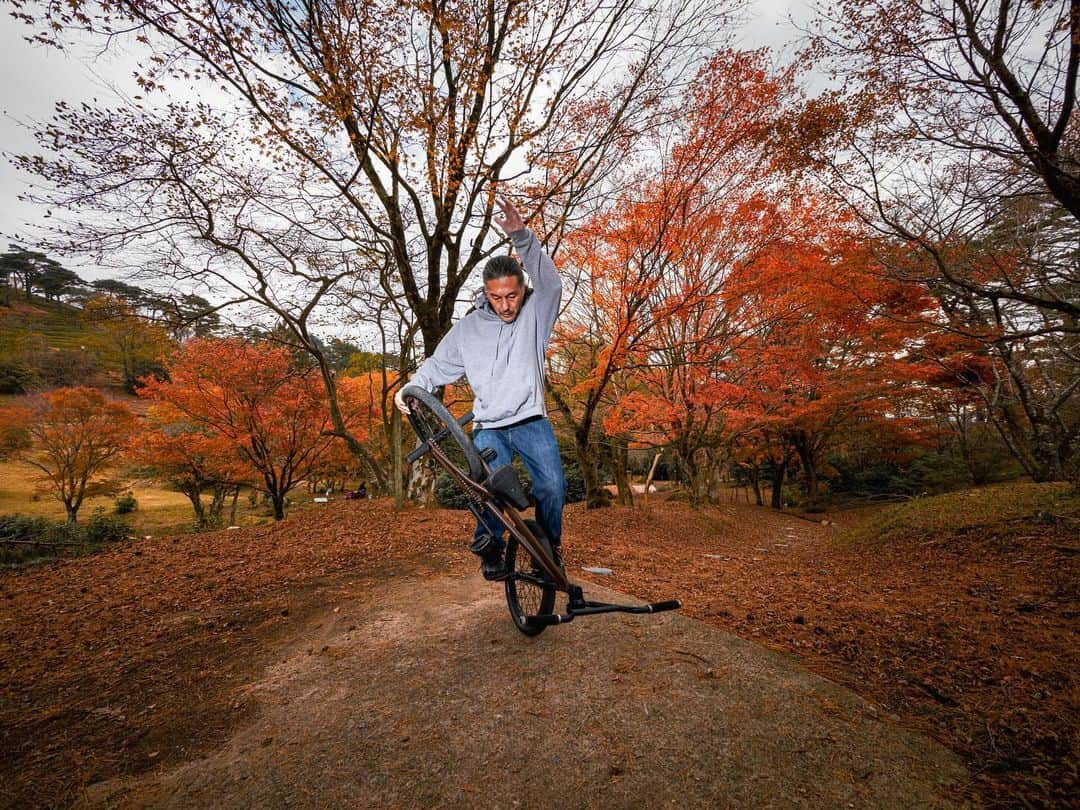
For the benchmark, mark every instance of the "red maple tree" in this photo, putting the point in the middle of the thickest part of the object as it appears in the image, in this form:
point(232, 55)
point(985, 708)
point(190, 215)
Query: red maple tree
point(254, 397)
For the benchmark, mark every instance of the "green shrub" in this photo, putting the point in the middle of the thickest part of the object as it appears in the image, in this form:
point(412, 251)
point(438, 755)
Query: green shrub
point(448, 494)
point(24, 539)
point(24, 528)
point(15, 378)
point(102, 528)
point(575, 479)
point(922, 472)
point(126, 503)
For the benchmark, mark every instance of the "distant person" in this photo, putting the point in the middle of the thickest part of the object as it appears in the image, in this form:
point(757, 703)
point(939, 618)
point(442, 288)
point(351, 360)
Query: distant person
point(499, 347)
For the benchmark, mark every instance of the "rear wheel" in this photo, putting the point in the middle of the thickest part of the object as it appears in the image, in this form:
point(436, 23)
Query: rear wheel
point(528, 590)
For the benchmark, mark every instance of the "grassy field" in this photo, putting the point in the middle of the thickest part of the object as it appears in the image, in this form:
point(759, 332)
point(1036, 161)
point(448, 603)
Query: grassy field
point(160, 511)
point(58, 323)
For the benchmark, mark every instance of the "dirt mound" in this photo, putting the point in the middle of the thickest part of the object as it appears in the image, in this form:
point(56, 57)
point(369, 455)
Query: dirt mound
point(420, 692)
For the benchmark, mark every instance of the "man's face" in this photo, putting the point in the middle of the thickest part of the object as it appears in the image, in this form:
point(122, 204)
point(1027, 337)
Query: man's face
point(506, 295)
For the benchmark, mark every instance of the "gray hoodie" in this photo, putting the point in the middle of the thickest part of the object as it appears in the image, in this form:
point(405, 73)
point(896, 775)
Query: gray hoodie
point(503, 362)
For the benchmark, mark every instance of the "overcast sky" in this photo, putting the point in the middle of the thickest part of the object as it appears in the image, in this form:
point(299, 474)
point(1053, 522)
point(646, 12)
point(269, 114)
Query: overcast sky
point(35, 78)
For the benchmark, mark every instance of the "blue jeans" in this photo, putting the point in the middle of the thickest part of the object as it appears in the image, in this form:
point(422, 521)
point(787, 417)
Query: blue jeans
point(534, 441)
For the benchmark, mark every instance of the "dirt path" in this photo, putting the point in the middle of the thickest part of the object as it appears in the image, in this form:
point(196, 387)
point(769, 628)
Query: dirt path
point(380, 703)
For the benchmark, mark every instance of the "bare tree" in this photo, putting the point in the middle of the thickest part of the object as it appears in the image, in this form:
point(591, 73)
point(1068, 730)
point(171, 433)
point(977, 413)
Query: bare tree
point(956, 138)
point(413, 112)
point(386, 127)
point(987, 79)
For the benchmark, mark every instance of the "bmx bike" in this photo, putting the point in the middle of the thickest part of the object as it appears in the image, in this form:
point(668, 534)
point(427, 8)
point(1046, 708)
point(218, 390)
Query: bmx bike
point(533, 574)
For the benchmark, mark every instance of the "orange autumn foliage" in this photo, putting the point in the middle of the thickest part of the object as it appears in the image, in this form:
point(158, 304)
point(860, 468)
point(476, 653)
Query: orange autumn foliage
point(271, 413)
point(191, 457)
point(656, 263)
point(72, 435)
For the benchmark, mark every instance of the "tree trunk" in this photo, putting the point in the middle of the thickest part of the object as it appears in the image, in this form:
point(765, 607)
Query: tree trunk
point(699, 479)
point(1040, 439)
point(192, 494)
point(278, 500)
point(232, 510)
point(217, 503)
point(377, 476)
point(596, 496)
point(755, 484)
point(812, 495)
point(649, 478)
point(618, 460)
point(395, 453)
point(779, 474)
point(804, 447)
point(422, 483)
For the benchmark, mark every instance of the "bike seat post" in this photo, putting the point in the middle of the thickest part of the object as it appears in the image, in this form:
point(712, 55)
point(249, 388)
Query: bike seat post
point(487, 455)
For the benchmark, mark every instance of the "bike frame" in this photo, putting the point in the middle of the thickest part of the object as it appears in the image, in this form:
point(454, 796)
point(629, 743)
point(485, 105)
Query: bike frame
point(480, 496)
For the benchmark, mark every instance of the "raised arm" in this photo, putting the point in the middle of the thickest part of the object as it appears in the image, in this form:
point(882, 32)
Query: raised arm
point(547, 286)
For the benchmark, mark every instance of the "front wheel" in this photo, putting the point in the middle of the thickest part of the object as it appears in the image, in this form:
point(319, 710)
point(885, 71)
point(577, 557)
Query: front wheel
point(528, 590)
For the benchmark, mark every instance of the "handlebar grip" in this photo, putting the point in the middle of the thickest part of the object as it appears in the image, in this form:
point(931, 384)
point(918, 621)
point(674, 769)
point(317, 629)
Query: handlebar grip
point(545, 620)
point(465, 419)
point(660, 607)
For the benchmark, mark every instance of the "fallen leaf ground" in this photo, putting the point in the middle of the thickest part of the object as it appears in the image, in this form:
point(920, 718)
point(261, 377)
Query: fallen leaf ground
point(969, 634)
point(135, 658)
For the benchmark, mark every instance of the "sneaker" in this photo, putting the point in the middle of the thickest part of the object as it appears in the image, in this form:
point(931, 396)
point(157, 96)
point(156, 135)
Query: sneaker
point(490, 552)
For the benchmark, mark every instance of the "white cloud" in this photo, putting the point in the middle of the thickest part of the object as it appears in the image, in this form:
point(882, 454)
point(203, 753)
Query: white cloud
point(36, 77)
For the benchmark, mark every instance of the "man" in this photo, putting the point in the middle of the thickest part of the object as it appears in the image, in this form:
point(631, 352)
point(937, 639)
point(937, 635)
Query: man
point(500, 347)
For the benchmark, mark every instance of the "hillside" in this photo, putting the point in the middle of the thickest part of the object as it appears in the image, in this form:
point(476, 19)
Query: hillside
point(49, 342)
point(57, 322)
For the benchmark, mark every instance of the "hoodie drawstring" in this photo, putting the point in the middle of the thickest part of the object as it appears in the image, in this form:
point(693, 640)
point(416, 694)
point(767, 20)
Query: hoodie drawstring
point(498, 342)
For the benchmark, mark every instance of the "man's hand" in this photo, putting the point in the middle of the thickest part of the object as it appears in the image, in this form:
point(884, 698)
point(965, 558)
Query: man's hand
point(399, 401)
point(510, 220)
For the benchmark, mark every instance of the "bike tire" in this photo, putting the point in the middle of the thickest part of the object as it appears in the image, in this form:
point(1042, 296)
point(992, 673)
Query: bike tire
point(526, 597)
point(435, 426)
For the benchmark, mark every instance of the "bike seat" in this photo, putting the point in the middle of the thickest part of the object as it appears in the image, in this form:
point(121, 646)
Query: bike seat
point(504, 484)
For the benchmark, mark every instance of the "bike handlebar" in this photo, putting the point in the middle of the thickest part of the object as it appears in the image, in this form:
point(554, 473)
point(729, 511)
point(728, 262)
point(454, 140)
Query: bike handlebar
point(659, 607)
point(592, 608)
